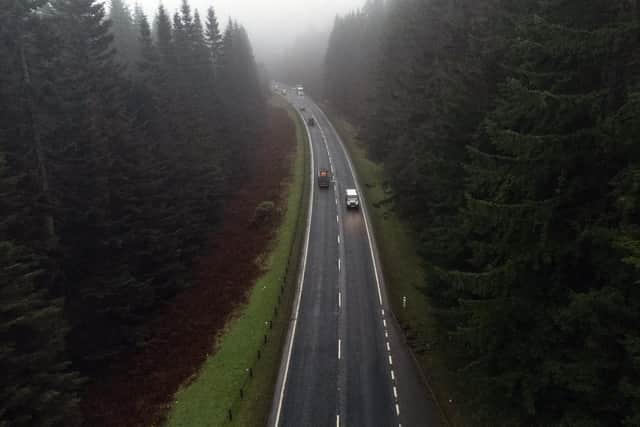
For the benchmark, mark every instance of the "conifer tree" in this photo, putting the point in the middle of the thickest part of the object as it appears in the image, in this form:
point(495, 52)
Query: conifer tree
point(124, 33)
point(213, 38)
point(164, 35)
point(539, 182)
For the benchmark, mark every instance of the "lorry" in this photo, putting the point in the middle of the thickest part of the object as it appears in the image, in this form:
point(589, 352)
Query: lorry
point(351, 198)
point(324, 178)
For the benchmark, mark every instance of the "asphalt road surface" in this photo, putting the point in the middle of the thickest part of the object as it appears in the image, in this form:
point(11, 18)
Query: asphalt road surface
point(344, 362)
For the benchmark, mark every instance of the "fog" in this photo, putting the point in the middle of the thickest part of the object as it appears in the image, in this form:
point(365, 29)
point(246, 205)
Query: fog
point(272, 25)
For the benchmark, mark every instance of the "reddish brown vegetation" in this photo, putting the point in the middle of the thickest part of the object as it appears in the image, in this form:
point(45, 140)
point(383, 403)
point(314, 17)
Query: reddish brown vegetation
point(139, 389)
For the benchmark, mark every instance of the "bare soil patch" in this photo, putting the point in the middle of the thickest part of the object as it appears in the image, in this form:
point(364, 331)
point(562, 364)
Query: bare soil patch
point(139, 389)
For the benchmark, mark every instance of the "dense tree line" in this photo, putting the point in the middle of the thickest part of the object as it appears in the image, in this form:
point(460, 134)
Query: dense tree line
point(117, 149)
point(509, 131)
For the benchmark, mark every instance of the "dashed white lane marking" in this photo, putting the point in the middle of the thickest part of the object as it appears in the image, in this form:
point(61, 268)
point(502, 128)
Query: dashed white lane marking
point(339, 348)
point(337, 218)
point(375, 267)
point(338, 420)
point(339, 299)
point(366, 222)
point(338, 239)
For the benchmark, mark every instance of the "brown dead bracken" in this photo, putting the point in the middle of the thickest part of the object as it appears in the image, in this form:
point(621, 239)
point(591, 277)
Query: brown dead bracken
point(138, 389)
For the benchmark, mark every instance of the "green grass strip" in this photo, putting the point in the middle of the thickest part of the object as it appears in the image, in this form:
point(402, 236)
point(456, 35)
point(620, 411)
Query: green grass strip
point(207, 400)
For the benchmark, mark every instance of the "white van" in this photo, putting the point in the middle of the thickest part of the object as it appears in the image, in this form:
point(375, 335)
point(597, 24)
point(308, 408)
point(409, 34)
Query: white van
point(351, 198)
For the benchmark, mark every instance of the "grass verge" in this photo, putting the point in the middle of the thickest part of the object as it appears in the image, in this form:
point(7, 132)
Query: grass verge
point(235, 385)
point(403, 272)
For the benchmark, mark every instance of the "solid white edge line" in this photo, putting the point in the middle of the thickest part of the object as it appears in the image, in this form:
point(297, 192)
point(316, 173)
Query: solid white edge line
point(302, 273)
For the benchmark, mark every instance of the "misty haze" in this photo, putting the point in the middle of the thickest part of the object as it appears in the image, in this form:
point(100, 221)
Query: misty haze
point(340, 213)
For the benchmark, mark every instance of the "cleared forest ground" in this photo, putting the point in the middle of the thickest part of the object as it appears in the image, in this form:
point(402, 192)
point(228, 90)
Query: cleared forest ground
point(140, 389)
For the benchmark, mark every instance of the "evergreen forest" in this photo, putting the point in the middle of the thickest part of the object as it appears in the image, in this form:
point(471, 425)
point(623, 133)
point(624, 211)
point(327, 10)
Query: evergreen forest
point(120, 138)
point(509, 131)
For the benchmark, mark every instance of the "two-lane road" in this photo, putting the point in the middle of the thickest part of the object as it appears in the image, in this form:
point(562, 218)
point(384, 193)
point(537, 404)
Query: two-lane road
point(344, 363)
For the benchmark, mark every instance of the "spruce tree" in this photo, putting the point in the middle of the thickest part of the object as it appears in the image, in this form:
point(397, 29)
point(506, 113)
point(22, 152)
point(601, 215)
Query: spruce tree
point(213, 38)
point(164, 35)
point(537, 211)
point(124, 33)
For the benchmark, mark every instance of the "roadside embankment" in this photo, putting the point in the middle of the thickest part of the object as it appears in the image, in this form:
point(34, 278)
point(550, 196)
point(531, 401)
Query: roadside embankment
point(235, 384)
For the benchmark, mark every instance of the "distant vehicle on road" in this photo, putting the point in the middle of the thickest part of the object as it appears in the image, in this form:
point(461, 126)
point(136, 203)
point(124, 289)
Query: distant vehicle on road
point(300, 90)
point(324, 178)
point(311, 121)
point(303, 108)
point(284, 92)
point(351, 198)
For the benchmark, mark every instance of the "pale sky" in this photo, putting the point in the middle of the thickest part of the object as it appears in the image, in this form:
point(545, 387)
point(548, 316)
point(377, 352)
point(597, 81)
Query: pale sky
point(272, 24)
